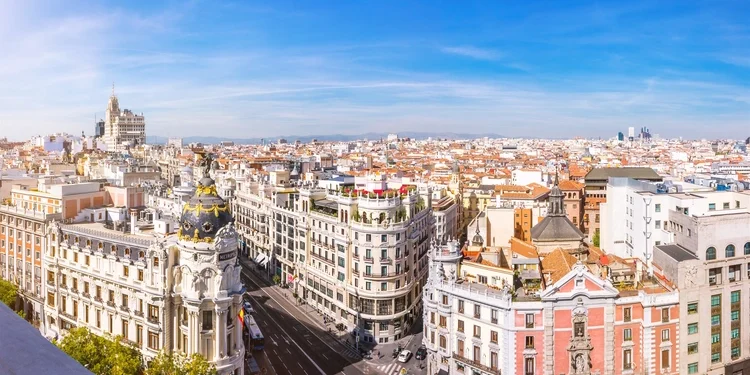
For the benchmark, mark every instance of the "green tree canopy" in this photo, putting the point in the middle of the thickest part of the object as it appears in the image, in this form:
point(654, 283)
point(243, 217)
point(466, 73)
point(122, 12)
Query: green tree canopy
point(180, 364)
point(8, 293)
point(101, 355)
point(596, 240)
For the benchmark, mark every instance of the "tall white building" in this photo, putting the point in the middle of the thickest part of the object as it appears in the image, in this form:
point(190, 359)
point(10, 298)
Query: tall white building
point(159, 292)
point(634, 218)
point(122, 128)
point(356, 255)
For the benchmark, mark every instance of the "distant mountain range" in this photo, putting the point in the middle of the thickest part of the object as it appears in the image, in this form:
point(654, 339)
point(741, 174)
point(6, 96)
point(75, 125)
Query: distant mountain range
point(328, 137)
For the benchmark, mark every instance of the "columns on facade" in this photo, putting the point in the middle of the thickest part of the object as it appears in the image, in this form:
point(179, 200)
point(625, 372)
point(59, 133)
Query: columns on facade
point(219, 333)
point(193, 332)
point(549, 349)
point(609, 342)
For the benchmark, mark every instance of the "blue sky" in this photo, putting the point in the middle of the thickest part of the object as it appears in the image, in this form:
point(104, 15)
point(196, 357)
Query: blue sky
point(263, 69)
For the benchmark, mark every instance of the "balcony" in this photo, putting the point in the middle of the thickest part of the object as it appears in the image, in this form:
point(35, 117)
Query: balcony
point(111, 303)
point(381, 275)
point(329, 261)
point(98, 299)
point(476, 364)
point(138, 313)
point(124, 309)
point(369, 260)
point(355, 256)
point(386, 260)
point(51, 282)
point(153, 320)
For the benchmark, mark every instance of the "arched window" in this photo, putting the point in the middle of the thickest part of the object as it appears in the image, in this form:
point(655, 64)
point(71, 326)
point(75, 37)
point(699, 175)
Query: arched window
point(141, 254)
point(127, 251)
point(88, 243)
point(729, 251)
point(747, 248)
point(711, 253)
point(442, 341)
point(113, 249)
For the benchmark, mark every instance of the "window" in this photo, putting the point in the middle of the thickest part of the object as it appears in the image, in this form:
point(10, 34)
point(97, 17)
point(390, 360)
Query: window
point(627, 359)
point(712, 206)
point(460, 325)
point(529, 320)
point(368, 238)
point(665, 335)
point(139, 334)
point(693, 368)
point(657, 207)
point(716, 300)
point(665, 359)
point(665, 315)
point(692, 308)
point(627, 334)
point(725, 205)
point(735, 333)
point(735, 296)
point(693, 348)
point(383, 238)
point(692, 328)
point(140, 275)
point(477, 311)
point(716, 357)
point(208, 322)
point(461, 306)
point(442, 341)
point(529, 342)
point(493, 337)
point(124, 328)
point(711, 253)
point(125, 300)
point(443, 321)
point(529, 366)
point(153, 341)
point(716, 338)
point(153, 312)
point(626, 314)
point(729, 251)
point(657, 224)
point(51, 299)
point(715, 320)
point(125, 271)
point(477, 331)
point(735, 352)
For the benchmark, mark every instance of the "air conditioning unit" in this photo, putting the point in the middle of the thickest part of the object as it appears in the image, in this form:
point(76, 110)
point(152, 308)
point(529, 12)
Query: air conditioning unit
point(712, 279)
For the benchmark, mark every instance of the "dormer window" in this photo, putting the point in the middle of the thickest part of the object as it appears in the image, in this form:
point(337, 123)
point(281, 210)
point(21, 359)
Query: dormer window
point(100, 246)
point(127, 251)
point(113, 249)
point(88, 243)
point(141, 255)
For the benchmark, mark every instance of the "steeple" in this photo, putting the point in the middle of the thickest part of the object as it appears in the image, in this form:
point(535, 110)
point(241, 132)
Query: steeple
point(556, 199)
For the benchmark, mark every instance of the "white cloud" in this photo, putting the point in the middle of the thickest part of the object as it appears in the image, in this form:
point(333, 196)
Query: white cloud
point(472, 52)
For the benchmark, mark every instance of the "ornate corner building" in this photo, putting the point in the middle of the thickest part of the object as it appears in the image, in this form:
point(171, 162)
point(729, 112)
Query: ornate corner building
point(176, 293)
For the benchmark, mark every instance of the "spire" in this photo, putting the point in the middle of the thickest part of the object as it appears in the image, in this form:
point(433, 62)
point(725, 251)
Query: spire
point(113, 89)
point(556, 198)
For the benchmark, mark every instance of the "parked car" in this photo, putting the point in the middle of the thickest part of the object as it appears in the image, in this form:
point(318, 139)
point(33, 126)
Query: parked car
point(421, 353)
point(404, 356)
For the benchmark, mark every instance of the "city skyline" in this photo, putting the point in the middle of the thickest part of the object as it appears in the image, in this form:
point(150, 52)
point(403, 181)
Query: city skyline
point(199, 69)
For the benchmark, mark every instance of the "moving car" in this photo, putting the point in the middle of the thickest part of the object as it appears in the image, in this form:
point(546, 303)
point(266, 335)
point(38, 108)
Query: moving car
point(421, 353)
point(404, 356)
point(248, 308)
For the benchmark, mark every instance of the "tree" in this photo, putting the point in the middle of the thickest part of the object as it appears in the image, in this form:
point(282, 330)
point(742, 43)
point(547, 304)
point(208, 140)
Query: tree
point(595, 239)
point(8, 293)
point(180, 364)
point(101, 355)
point(276, 279)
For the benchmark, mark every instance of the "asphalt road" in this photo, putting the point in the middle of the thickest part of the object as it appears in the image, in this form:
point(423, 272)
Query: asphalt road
point(292, 347)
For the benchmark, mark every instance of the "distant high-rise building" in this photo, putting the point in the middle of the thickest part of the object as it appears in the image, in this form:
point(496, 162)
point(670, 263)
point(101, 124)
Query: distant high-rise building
point(631, 133)
point(620, 136)
point(99, 129)
point(122, 128)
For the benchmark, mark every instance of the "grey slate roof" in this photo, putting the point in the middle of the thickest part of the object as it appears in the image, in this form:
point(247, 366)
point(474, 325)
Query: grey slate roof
point(553, 228)
point(677, 252)
point(638, 173)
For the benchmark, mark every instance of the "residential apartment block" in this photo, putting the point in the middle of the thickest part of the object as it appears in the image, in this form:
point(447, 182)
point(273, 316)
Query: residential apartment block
point(354, 249)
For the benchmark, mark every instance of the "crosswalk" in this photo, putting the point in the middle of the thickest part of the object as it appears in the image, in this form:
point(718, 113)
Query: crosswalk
point(392, 368)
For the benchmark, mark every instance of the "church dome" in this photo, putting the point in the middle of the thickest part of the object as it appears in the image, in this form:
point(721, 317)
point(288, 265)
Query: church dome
point(477, 240)
point(204, 214)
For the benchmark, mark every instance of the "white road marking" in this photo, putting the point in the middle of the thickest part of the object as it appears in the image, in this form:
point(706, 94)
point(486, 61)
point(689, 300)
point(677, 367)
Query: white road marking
point(284, 332)
point(300, 365)
point(324, 356)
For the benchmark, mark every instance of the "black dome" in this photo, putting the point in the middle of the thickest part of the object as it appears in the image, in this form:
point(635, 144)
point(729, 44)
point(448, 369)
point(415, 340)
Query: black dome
point(204, 214)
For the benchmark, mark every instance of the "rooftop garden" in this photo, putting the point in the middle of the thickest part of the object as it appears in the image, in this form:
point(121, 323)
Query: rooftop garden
point(401, 192)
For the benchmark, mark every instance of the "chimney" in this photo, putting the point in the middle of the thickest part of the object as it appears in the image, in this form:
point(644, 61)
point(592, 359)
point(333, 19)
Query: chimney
point(638, 271)
point(133, 213)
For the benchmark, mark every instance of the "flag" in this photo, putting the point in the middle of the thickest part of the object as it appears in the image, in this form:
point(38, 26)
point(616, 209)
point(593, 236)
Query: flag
point(241, 315)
